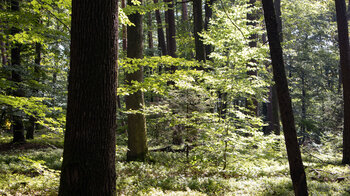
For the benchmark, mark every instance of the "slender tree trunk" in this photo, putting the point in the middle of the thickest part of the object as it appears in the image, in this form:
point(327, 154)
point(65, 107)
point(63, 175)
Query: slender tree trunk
point(137, 139)
point(253, 104)
point(17, 122)
point(344, 48)
point(198, 28)
point(303, 106)
point(184, 15)
point(170, 32)
point(88, 166)
point(124, 29)
point(208, 14)
point(160, 32)
point(150, 34)
point(294, 156)
point(37, 61)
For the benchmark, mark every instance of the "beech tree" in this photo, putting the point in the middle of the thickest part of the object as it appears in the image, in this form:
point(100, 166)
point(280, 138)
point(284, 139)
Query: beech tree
point(293, 151)
point(198, 28)
point(137, 140)
point(344, 48)
point(88, 166)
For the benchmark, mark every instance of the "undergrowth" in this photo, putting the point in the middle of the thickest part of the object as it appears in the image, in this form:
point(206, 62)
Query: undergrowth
point(261, 170)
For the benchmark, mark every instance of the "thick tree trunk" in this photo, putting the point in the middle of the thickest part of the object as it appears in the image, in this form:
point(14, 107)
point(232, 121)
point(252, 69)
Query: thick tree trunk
point(198, 28)
point(344, 48)
point(170, 32)
point(277, 5)
point(208, 14)
point(88, 166)
point(160, 32)
point(17, 122)
point(137, 139)
point(294, 156)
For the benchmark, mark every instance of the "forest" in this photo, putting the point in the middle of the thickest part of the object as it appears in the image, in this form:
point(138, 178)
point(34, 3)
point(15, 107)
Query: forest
point(174, 97)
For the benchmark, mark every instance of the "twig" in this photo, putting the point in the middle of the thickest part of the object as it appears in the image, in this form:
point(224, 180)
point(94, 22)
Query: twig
point(234, 24)
point(59, 20)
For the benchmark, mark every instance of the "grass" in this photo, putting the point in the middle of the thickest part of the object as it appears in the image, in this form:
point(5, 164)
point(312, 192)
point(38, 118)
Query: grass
point(257, 171)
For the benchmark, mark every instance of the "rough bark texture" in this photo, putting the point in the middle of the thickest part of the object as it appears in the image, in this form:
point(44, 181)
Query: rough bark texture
point(137, 140)
point(198, 28)
point(208, 14)
point(294, 157)
point(17, 122)
point(170, 32)
point(88, 166)
point(160, 32)
point(277, 5)
point(344, 48)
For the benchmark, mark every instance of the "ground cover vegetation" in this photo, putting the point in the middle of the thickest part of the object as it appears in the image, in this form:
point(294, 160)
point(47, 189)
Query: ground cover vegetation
point(191, 96)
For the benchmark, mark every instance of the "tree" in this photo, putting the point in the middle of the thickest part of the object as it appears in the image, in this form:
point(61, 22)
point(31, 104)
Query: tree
point(137, 140)
point(344, 48)
point(198, 28)
point(88, 166)
point(294, 156)
point(18, 127)
point(160, 32)
point(170, 30)
point(208, 15)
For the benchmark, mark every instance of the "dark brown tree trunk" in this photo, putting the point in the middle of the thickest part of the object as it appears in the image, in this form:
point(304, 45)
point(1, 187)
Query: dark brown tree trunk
point(344, 48)
point(303, 106)
point(37, 61)
point(170, 32)
point(198, 28)
point(277, 5)
point(150, 34)
point(17, 122)
point(294, 157)
point(184, 15)
point(124, 29)
point(160, 32)
point(137, 139)
point(253, 104)
point(88, 166)
point(208, 14)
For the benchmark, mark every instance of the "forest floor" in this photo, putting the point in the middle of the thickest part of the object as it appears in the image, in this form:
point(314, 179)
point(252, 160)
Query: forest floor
point(33, 169)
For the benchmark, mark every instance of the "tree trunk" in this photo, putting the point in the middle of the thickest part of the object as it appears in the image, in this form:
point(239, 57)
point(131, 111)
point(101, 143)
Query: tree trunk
point(253, 104)
point(344, 48)
point(208, 14)
point(37, 61)
point(17, 122)
point(160, 32)
point(294, 157)
point(198, 28)
point(277, 5)
point(124, 29)
point(184, 10)
point(170, 32)
point(88, 166)
point(150, 34)
point(137, 140)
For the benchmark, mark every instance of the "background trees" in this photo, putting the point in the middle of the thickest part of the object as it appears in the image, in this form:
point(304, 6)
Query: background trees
point(223, 146)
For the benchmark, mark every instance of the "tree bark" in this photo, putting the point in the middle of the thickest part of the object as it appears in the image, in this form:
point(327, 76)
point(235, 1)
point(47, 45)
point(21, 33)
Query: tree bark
point(294, 156)
point(37, 61)
point(88, 166)
point(198, 28)
point(184, 15)
point(170, 32)
point(208, 15)
point(17, 122)
point(137, 139)
point(344, 49)
point(160, 32)
point(150, 34)
point(124, 29)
